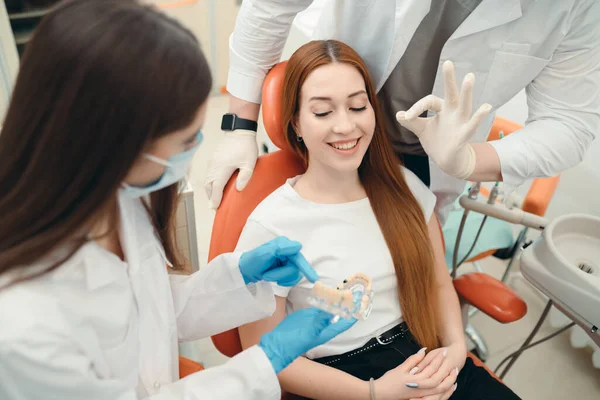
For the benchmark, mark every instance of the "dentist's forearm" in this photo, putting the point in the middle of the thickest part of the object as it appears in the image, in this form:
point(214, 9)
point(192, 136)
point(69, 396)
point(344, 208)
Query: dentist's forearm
point(244, 109)
point(487, 164)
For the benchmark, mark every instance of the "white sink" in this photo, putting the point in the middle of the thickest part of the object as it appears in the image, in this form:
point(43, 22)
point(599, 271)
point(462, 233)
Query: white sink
point(564, 263)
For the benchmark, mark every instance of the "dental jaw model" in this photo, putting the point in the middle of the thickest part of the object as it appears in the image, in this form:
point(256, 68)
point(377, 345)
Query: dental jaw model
point(352, 299)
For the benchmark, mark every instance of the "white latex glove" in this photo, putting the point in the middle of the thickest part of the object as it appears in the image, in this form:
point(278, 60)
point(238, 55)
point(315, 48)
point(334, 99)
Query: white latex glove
point(444, 136)
point(236, 150)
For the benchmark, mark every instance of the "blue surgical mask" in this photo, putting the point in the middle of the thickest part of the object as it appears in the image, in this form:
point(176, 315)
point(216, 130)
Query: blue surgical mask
point(177, 168)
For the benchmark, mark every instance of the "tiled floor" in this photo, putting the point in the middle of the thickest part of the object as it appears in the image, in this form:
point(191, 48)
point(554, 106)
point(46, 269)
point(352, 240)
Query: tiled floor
point(551, 371)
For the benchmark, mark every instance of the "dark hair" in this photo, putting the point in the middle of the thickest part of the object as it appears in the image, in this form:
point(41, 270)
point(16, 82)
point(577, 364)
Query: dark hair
point(398, 213)
point(98, 82)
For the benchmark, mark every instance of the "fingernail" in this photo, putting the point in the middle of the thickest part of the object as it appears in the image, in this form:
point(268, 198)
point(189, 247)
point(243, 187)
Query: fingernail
point(401, 114)
point(422, 351)
point(445, 353)
point(456, 368)
point(412, 385)
point(413, 371)
point(488, 107)
point(455, 386)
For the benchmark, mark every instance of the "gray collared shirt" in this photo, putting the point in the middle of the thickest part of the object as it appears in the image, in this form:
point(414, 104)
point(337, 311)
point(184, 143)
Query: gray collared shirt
point(414, 75)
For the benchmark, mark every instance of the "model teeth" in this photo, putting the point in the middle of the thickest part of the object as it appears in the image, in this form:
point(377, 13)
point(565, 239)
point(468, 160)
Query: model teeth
point(344, 146)
point(342, 300)
point(333, 296)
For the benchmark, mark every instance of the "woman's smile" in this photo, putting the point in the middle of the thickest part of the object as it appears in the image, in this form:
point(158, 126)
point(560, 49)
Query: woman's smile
point(345, 147)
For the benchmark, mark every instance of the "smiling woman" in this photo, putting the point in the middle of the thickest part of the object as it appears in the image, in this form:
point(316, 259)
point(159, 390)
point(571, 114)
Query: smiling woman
point(351, 209)
point(332, 70)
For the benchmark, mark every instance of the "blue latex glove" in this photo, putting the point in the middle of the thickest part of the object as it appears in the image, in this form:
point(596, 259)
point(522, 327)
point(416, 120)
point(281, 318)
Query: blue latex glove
point(279, 260)
point(298, 333)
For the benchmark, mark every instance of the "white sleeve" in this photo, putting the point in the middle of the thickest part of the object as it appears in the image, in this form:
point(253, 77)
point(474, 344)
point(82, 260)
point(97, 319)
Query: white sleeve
point(49, 365)
point(564, 106)
point(216, 299)
point(422, 193)
point(253, 235)
point(248, 376)
point(257, 42)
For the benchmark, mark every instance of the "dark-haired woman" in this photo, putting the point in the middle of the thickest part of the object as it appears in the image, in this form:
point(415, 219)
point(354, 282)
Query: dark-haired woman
point(95, 142)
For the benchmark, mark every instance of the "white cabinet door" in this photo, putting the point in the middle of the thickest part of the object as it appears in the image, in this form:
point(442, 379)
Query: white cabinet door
point(9, 60)
point(185, 219)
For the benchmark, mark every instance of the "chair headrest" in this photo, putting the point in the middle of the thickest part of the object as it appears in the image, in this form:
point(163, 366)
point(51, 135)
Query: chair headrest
point(271, 105)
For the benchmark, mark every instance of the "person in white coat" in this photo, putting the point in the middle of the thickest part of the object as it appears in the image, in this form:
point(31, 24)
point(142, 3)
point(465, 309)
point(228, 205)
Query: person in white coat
point(549, 48)
point(105, 118)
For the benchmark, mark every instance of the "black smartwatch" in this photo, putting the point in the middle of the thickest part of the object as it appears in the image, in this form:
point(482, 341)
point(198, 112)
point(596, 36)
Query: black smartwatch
point(231, 122)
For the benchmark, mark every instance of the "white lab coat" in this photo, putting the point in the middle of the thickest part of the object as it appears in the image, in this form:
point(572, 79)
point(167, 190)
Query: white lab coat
point(100, 328)
point(549, 47)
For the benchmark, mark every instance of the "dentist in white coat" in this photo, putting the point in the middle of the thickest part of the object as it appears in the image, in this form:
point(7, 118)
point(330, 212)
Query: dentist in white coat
point(104, 120)
point(550, 48)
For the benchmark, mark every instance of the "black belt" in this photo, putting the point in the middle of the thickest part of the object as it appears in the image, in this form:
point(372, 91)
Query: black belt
point(398, 332)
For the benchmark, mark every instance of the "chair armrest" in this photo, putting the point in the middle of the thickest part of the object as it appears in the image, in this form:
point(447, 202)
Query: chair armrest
point(188, 367)
point(502, 125)
point(491, 296)
point(539, 195)
point(228, 343)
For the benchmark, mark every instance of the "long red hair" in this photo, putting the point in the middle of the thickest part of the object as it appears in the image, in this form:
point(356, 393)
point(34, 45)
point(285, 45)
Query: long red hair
point(398, 212)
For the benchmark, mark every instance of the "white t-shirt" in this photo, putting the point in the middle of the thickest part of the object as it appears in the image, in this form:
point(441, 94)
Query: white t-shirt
point(338, 240)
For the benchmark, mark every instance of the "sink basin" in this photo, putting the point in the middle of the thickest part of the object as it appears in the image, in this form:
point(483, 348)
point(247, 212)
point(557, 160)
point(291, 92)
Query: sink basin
point(564, 264)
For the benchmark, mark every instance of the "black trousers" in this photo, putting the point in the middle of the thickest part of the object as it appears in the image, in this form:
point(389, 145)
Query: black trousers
point(419, 165)
point(374, 359)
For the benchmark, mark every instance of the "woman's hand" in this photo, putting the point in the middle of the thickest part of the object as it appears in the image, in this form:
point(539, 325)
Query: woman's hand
point(444, 136)
point(437, 365)
point(279, 260)
point(441, 396)
point(405, 382)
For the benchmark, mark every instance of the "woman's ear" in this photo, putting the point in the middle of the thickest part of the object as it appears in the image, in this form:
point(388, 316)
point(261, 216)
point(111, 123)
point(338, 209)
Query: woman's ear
point(295, 125)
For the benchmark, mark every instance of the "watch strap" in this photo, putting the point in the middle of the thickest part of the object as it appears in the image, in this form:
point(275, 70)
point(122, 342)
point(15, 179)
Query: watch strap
point(232, 122)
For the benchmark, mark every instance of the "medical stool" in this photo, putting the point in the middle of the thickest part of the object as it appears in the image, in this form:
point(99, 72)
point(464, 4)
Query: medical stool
point(271, 171)
point(498, 232)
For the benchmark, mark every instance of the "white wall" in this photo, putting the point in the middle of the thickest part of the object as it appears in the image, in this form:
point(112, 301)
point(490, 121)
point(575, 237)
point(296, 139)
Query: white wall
point(198, 17)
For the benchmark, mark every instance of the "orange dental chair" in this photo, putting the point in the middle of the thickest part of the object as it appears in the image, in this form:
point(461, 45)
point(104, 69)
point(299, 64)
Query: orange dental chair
point(272, 170)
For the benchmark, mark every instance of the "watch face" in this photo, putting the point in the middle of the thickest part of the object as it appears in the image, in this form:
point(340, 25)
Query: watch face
point(227, 122)
point(231, 122)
